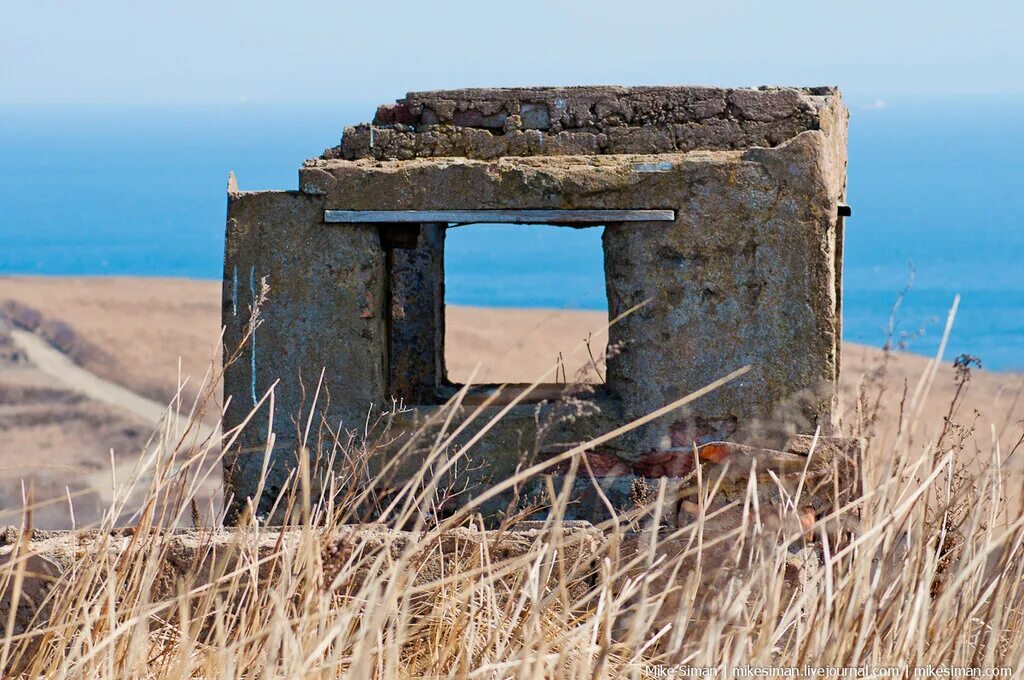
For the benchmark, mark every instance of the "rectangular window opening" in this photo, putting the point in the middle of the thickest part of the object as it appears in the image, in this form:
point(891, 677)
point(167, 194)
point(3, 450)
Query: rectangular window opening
point(524, 300)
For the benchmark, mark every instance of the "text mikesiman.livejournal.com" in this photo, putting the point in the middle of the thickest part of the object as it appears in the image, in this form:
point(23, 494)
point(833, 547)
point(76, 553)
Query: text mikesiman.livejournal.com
point(685, 671)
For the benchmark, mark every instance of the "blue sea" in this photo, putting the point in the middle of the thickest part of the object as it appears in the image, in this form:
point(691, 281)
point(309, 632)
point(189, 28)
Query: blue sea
point(935, 185)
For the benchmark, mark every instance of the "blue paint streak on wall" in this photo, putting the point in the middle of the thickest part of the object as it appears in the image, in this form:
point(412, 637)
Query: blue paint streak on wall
point(252, 291)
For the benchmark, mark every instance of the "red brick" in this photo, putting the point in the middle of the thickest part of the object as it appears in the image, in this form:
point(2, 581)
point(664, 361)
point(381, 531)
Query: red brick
point(665, 464)
point(601, 464)
point(716, 452)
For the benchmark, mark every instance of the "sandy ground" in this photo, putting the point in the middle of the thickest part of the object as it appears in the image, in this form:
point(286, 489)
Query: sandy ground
point(523, 344)
point(141, 326)
point(146, 335)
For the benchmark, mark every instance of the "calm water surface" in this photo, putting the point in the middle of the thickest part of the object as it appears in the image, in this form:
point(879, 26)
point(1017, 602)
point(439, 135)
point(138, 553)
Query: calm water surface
point(935, 189)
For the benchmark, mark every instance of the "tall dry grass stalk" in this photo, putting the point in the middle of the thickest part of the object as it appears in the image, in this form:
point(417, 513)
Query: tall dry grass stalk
point(925, 569)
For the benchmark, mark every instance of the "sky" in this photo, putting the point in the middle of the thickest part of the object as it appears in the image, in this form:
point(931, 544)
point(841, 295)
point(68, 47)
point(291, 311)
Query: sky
point(192, 52)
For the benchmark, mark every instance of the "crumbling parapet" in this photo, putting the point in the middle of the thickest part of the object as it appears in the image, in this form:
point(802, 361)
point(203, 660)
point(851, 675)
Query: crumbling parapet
point(723, 235)
point(578, 121)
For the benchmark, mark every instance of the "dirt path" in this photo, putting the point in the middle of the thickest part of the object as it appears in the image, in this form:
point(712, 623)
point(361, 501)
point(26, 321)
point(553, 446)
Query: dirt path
point(55, 363)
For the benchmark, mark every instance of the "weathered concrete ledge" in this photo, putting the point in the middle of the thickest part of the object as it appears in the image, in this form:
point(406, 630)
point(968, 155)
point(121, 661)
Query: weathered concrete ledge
point(198, 557)
point(242, 562)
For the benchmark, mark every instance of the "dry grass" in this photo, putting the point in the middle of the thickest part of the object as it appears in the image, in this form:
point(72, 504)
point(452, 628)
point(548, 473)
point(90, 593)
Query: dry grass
point(925, 571)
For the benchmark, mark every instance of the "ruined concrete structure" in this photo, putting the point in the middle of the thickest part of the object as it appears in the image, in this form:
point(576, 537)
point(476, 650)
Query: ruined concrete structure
point(723, 224)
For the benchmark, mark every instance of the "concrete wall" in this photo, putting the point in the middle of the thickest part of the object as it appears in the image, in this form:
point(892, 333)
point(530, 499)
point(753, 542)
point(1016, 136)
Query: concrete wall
point(324, 313)
point(749, 272)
